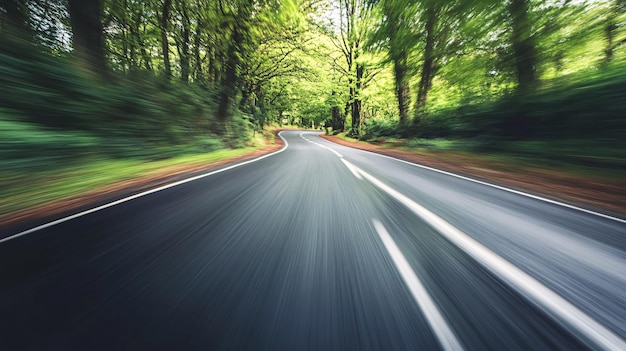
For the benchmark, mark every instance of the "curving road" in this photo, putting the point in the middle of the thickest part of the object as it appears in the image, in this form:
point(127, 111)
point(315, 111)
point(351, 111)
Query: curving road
point(318, 247)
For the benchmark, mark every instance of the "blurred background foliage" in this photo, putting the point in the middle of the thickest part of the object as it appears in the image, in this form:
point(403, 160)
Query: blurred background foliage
point(139, 79)
point(151, 79)
point(539, 78)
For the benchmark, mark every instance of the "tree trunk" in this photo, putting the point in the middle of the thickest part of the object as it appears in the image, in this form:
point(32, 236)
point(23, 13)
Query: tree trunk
point(523, 45)
point(197, 71)
point(402, 88)
point(211, 68)
point(525, 54)
point(132, 51)
point(351, 91)
point(348, 108)
point(398, 54)
point(233, 60)
point(147, 60)
point(165, 46)
point(610, 29)
point(429, 65)
point(125, 60)
point(336, 121)
point(230, 78)
point(356, 101)
point(356, 116)
point(426, 83)
point(260, 103)
point(246, 92)
point(183, 49)
point(88, 38)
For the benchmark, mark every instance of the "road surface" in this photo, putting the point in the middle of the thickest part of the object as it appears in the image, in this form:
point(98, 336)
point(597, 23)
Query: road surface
point(318, 247)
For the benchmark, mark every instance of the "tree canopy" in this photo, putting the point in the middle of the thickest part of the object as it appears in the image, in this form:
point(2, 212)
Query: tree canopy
point(412, 67)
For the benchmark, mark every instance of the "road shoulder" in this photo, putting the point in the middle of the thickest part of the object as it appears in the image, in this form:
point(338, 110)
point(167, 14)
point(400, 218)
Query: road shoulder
point(603, 195)
point(58, 208)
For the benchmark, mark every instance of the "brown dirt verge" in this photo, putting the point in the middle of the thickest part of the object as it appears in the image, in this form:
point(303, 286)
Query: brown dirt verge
point(155, 179)
point(585, 191)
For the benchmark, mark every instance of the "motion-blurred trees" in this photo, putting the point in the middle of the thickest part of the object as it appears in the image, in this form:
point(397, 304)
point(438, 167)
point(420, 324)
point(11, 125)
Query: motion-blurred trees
point(464, 67)
point(459, 55)
point(232, 48)
point(614, 28)
point(396, 32)
point(523, 44)
point(352, 29)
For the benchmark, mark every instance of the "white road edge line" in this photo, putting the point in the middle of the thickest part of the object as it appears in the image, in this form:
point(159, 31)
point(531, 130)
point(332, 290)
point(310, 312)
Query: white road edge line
point(446, 336)
point(350, 167)
point(536, 197)
point(549, 301)
point(132, 197)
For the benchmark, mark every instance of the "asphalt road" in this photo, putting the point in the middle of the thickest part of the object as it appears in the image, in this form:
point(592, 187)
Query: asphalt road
point(319, 247)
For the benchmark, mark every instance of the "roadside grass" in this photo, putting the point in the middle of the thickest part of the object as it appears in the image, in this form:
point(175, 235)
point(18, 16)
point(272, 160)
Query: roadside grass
point(24, 188)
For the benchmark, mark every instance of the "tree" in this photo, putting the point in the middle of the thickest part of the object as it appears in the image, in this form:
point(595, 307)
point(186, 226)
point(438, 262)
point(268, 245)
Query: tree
point(352, 27)
point(396, 27)
point(430, 57)
point(442, 37)
point(88, 37)
point(337, 122)
point(613, 24)
point(523, 43)
point(198, 42)
point(164, 26)
point(183, 38)
point(250, 24)
point(278, 53)
point(239, 18)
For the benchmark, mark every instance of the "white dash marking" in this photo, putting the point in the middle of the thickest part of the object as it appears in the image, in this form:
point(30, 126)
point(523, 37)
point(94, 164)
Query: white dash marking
point(328, 148)
point(352, 168)
point(437, 322)
point(335, 152)
point(551, 302)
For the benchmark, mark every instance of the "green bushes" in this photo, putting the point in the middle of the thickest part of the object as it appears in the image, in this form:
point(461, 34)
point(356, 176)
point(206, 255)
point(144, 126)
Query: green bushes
point(585, 106)
point(24, 144)
point(380, 128)
point(52, 110)
point(565, 109)
point(577, 120)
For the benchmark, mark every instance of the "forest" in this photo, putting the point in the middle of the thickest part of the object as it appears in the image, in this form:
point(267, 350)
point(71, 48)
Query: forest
point(151, 79)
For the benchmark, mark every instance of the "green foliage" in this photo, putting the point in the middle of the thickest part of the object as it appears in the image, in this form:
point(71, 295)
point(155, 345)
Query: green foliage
point(589, 109)
point(205, 75)
point(380, 128)
point(24, 144)
point(575, 49)
point(134, 115)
